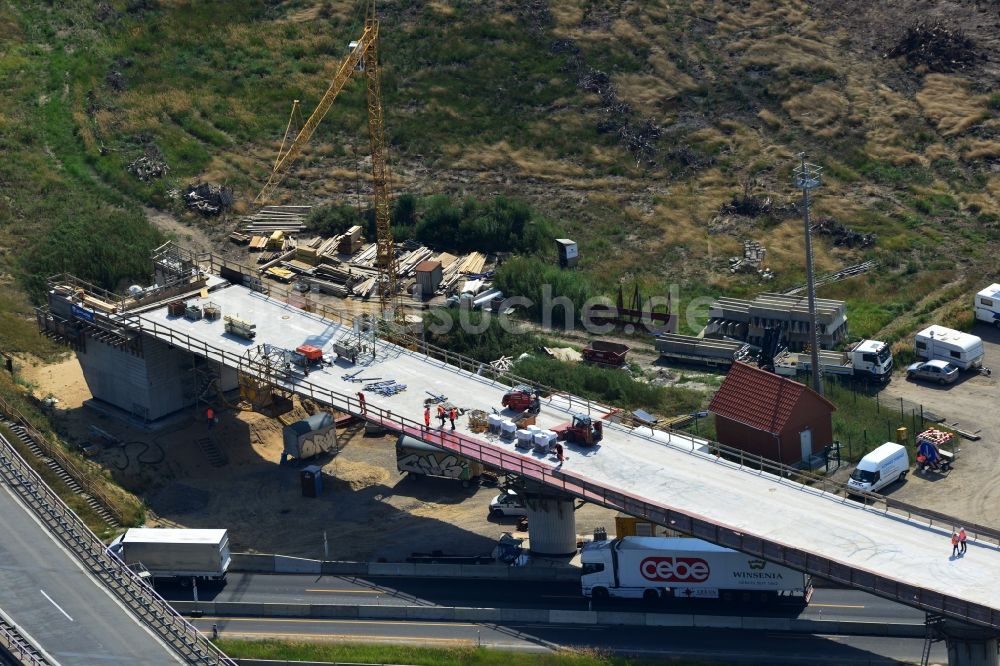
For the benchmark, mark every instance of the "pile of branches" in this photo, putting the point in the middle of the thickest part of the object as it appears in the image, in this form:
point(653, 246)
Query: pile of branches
point(937, 47)
point(208, 199)
point(638, 136)
point(843, 236)
point(747, 204)
point(147, 168)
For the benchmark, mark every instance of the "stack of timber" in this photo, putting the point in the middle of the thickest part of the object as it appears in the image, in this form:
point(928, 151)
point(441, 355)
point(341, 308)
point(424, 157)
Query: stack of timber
point(289, 219)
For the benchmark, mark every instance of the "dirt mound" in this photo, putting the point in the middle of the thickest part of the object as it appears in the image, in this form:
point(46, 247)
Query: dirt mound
point(359, 475)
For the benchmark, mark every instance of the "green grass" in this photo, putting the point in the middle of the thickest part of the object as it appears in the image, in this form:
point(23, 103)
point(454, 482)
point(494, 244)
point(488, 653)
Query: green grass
point(862, 422)
point(126, 504)
point(613, 387)
point(393, 654)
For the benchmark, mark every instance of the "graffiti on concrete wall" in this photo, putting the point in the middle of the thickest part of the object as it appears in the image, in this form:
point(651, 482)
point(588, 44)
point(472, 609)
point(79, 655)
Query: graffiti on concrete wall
point(318, 441)
point(433, 464)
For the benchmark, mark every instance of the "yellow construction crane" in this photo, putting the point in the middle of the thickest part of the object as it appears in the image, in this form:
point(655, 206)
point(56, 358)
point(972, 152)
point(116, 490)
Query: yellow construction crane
point(362, 58)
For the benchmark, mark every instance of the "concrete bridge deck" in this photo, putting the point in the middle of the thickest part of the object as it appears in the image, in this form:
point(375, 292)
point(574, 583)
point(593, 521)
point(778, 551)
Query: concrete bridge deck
point(667, 477)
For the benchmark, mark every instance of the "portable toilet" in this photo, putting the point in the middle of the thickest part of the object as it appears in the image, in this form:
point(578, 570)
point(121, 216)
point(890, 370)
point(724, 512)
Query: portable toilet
point(312, 481)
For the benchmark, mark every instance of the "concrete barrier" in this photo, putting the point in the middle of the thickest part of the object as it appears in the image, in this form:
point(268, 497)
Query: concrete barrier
point(252, 563)
point(524, 615)
point(621, 618)
point(270, 563)
point(334, 611)
point(381, 613)
point(344, 568)
point(663, 620)
point(391, 569)
point(437, 570)
point(477, 614)
point(430, 613)
point(572, 617)
point(489, 571)
point(296, 565)
point(767, 623)
point(551, 617)
point(718, 622)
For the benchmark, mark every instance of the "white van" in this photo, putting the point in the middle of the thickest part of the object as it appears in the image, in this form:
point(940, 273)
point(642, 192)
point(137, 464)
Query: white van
point(879, 468)
point(987, 304)
point(937, 343)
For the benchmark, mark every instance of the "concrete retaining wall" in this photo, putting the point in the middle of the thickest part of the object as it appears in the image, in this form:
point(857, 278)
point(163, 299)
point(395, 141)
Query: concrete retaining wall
point(551, 617)
point(254, 563)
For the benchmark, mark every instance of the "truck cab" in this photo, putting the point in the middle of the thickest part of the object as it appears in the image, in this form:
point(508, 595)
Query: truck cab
point(873, 359)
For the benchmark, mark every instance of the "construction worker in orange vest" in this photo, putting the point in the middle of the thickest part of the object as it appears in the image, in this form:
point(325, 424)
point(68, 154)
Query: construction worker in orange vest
point(452, 415)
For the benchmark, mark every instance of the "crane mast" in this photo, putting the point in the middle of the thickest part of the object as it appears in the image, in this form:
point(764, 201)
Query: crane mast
point(390, 301)
point(363, 57)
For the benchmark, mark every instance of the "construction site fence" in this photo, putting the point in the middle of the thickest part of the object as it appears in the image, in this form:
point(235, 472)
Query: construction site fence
point(83, 474)
point(148, 606)
point(621, 500)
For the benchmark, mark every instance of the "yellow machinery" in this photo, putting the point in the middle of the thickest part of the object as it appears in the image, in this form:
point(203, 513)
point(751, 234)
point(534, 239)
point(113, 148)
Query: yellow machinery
point(362, 58)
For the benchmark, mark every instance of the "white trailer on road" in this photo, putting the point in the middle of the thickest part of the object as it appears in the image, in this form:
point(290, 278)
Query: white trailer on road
point(652, 568)
point(182, 554)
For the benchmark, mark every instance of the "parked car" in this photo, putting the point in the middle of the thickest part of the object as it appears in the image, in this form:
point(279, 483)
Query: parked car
point(934, 371)
point(508, 504)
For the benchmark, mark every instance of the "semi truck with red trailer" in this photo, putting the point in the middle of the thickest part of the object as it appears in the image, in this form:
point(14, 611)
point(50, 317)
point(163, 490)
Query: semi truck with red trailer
point(653, 568)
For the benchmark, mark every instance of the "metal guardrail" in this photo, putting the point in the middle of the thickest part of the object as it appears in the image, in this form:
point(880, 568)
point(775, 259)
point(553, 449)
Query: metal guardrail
point(72, 467)
point(148, 606)
point(619, 499)
point(15, 644)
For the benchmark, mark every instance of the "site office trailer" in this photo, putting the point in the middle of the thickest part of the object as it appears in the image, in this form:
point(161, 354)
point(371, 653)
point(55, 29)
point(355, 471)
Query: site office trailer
point(659, 567)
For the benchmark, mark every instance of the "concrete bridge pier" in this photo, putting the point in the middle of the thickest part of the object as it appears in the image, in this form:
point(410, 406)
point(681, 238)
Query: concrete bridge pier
point(969, 645)
point(551, 520)
point(551, 526)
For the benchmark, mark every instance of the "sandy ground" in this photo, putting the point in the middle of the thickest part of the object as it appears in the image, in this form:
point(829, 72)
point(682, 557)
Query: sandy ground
point(972, 489)
point(368, 510)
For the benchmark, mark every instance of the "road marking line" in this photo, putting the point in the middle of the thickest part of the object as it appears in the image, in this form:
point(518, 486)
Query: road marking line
point(834, 606)
point(58, 607)
point(322, 621)
point(350, 591)
point(560, 596)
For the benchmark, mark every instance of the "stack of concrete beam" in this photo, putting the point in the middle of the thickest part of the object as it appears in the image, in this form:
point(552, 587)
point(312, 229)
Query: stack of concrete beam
point(289, 219)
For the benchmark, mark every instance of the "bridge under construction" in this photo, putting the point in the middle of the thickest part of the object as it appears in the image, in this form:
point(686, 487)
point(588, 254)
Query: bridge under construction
point(136, 349)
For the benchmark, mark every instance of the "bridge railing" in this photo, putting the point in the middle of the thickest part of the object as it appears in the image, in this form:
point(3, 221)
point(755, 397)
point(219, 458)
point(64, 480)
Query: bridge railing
point(17, 645)
point(148, 606)
point(620, 500)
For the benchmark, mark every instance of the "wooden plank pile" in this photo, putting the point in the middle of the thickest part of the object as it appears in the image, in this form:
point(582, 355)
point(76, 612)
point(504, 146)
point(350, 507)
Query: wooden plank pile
point(289, 219)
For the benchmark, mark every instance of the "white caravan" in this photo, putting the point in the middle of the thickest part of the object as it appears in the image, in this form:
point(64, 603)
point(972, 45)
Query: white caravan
point(987, 304)
point(937, 343)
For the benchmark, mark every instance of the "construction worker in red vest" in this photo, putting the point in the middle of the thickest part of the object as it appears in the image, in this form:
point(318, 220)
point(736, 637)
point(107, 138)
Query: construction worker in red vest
point(210, 415)
point(961, 541)
point(361, 400)
point(427, 416)
point(452, 415)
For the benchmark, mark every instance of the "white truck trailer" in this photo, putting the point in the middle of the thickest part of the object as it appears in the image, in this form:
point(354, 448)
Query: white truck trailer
point(868, 360)
point(652, 568)
point(178, 554)
point(937, 343)
point(987, 305)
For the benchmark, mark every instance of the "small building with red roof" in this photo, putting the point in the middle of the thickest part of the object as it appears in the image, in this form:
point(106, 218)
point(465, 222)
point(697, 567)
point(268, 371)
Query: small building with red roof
point(771, 416)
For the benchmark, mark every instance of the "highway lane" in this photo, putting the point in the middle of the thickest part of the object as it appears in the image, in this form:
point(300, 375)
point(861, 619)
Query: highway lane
point(828, 604)
point(45, 590)
point(724, 647)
